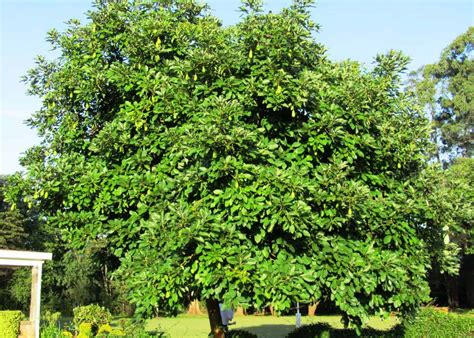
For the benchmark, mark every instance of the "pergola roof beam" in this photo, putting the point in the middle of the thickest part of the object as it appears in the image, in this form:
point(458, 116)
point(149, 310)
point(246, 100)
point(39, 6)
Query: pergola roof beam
point(26, 255)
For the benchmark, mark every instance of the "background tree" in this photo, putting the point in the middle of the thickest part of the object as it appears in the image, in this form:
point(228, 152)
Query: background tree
point(446, 88)
point(233, 164)
point(16, 226)
point(75, 277)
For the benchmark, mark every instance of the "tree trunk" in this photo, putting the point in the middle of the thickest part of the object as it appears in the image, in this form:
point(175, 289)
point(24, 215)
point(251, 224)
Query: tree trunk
point(312, 309)
point(272, 311)
point(194, 308)
point(240, 311)
point(215, 319)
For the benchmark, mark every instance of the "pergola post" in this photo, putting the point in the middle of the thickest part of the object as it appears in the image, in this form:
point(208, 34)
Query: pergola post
point(35, 260)
point(35, 300)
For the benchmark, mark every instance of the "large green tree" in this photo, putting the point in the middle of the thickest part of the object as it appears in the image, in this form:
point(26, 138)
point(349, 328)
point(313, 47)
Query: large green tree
point(446, 89)
point(231, 163)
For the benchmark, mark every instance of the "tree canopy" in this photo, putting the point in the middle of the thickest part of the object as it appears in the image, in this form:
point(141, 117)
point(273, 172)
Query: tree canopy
point(231, 163)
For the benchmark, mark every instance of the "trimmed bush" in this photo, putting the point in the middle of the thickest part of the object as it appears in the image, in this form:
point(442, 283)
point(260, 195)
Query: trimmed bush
point(240, 334)
point(93, 314)
point(10, 323)
point(432, 323)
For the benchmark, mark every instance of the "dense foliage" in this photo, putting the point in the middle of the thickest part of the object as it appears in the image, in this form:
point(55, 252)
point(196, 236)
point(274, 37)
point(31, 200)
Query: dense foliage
point(460, 182)
point(233, 163)
point(13, 223)
point(451, 202)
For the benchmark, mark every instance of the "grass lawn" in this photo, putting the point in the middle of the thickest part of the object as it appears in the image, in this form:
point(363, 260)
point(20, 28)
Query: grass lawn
point(263, 326)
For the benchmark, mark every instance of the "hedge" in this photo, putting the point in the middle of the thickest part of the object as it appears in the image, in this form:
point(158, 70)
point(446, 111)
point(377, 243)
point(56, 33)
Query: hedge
point(93, 314)
point(324, 330)
point(432, 323)
point(429, 323)
point(10, 323)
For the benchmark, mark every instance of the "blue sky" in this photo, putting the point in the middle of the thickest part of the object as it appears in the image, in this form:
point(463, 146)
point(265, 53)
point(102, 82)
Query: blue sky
point(355, 29)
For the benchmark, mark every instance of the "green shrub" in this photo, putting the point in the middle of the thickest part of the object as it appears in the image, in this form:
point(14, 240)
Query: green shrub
point(51, 318)
point(324, 330)
point(50, 325)
point(50, 332)
point(10, 323)
point(319, 330)
point(93, 314)
point(432, 323)
point(240, 334)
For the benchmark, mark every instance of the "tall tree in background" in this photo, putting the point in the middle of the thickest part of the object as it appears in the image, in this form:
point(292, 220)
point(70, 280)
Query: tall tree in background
point(233, 164)
point(16, 227)
point(446, 88)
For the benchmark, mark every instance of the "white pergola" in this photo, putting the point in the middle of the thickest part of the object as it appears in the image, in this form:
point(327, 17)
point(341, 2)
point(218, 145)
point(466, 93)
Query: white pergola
point(35, 260)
